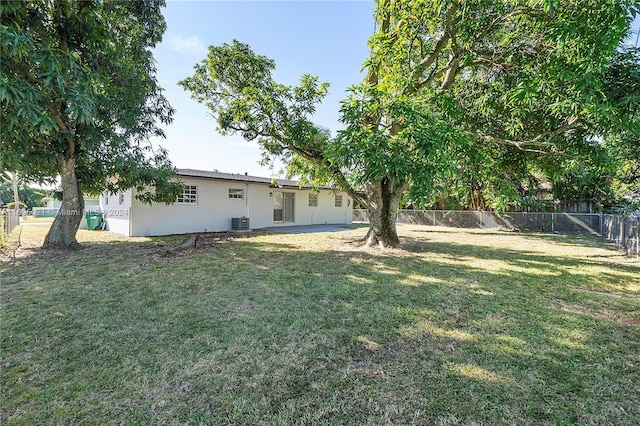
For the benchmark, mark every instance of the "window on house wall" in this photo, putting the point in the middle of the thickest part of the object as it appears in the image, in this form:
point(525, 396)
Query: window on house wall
point(189, 195)
point(121, 198)
point(313, 199)
point(338, 200)
point(236, 193)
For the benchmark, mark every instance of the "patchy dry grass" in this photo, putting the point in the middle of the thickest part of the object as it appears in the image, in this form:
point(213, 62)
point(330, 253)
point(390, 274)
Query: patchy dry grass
point(462, 327)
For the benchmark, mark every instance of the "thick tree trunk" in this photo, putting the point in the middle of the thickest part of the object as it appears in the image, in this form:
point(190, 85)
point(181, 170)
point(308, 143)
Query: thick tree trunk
point(477, 198)
point(383, 199)
point(62, 233)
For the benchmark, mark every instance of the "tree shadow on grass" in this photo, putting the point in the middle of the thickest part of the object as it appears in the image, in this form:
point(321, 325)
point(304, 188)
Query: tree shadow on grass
point(580, 239)
point(256, 330)
point(520, 331)
point(607, 257)
point(454, 337)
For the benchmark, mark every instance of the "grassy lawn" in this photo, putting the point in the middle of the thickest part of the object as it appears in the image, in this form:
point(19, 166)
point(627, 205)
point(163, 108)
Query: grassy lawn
point(463, 327)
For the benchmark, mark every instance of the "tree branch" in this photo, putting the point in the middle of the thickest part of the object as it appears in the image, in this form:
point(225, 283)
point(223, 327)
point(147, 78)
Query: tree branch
point(314, 156)
point(453, 67)
point(540, 141)
point(451, 71)
point(428, 61)
point(497, 21)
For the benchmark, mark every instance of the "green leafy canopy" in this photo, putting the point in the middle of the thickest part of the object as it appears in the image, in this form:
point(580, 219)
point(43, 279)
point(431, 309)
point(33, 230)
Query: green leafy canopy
point(78, 82)
point(456, 93)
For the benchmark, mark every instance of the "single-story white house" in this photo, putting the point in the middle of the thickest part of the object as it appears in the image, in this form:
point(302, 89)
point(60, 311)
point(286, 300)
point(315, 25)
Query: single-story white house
point(218, 202)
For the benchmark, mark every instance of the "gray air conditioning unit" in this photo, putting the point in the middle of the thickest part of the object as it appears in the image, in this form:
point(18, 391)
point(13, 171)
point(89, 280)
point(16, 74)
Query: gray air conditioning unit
point(239, 223)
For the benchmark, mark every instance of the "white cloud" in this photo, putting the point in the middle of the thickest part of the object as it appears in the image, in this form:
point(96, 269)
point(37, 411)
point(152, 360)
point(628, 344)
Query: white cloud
point(186, 44)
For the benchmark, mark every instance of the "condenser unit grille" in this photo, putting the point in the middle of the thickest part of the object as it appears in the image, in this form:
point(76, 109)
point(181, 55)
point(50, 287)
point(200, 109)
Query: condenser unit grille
point(239, 223)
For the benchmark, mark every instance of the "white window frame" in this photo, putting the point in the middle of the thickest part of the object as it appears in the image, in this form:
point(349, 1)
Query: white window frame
point(288, 205)
point(189, 195)
point(236, 193)
point(313, 199)
point(338, 200)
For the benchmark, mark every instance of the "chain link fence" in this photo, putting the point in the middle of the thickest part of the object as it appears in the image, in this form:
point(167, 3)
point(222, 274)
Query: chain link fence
point(623, 230)
point(9, 220)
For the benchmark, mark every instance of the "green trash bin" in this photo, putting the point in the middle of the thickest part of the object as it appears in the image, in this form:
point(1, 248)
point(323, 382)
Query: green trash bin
point(94, 220)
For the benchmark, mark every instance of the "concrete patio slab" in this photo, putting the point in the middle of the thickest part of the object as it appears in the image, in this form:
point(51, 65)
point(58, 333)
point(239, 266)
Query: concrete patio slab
point(308, 229)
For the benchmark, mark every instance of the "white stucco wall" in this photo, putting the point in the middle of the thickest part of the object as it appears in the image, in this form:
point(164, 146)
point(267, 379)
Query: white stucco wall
point(214, 209)
point(261, 208)
point(117, 214)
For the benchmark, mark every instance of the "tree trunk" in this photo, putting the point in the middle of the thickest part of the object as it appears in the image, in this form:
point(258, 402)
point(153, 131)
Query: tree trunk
point(62, 233)
point(477, 198)
point(383, 199)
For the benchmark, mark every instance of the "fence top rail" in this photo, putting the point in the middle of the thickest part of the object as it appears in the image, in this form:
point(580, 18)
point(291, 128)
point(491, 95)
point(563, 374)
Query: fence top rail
point(633, 216)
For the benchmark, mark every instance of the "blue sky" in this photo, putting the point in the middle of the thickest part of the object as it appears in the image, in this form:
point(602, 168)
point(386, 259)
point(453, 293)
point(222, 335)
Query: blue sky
point(323, 38)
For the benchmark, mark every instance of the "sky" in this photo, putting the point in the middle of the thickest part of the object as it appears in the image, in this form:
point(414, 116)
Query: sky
point(327, 39)
point(323, 38)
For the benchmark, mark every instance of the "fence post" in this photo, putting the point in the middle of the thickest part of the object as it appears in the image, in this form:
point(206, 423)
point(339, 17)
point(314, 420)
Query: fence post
point(637, 237)
point(553, 222)
point(636, 225)
point(601, 224)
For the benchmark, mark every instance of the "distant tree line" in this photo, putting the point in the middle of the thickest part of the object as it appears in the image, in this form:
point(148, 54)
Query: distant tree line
point(29, 197)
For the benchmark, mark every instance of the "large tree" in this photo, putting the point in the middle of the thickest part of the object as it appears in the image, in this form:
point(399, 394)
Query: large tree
point(599, 160)
point(442, 78)
point(623, 83)
point(79, 101)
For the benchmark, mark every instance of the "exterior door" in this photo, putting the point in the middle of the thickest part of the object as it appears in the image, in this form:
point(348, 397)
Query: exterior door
point(283, 206)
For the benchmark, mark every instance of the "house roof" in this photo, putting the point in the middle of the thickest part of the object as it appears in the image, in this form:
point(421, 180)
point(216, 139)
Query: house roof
point(233, 177)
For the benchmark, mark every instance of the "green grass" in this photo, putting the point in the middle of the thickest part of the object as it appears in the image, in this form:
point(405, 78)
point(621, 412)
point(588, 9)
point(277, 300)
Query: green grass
point(463, 327)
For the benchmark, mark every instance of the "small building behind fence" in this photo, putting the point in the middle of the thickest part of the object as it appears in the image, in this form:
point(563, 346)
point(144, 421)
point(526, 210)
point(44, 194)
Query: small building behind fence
point(622, 230)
